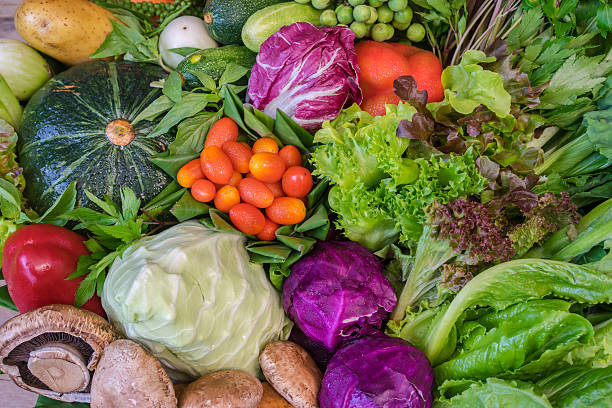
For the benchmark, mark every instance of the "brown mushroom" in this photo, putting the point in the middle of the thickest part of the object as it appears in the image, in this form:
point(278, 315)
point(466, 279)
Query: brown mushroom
point(54, 349)
point(223, 389)
point(129, 376)
point(292, 373)
point(272, 399)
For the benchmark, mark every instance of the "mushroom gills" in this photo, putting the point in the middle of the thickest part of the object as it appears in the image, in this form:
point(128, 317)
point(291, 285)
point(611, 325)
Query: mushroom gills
point(54, 361)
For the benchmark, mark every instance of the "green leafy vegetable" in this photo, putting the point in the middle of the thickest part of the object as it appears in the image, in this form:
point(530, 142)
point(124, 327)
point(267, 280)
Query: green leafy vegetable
point(579, 387)
point(496, 393)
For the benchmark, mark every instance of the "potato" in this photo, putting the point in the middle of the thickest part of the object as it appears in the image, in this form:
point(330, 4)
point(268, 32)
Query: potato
point(67, 30)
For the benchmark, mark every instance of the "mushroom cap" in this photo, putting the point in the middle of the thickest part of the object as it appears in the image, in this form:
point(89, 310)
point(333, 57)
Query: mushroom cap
point(292, 373)
point(223, 389)
point(272, 399)
point(129, 376)
point(65, 324)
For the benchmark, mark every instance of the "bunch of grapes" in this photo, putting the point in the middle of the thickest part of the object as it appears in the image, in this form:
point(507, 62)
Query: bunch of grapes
point(377, 19)
point(158, 10)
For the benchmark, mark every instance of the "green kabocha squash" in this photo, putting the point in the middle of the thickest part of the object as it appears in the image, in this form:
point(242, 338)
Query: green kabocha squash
point(80, 126)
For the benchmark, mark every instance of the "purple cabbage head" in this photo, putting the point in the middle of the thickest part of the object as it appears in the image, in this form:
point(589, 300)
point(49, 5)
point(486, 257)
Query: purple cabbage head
point(308, 72)
point(338, 292)
point(377, 372)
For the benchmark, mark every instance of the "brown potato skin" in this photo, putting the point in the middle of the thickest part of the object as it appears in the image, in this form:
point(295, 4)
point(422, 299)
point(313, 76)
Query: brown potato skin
point(67, 30)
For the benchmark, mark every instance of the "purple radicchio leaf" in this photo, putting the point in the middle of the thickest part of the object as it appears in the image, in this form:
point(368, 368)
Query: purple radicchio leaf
point(308, 72)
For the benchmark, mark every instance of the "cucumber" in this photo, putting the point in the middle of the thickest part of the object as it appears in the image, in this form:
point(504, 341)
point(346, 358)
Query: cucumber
point(213, 61)
point(225, 18)
point(261, 25)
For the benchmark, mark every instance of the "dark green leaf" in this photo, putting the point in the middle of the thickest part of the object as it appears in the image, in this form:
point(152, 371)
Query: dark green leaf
point(183, 51)
point(233, 108)
point(300, 244)
point(83, 266)
point(567, 6)
point(62, 206)
point(317, 192)
point(206, 80)
point(125, 40)
point(172, 164)
point(191, 134)
point(232, 73)
point(86, 290)
point(274, 253)
point(604, 18)
point(293, 258)
point(290, 132)
point(318, 219)
point(108, 206)
point(164, 200)
point(263, 118)
point(221, 222)
point(319, 233)
point(10, 200)
point(173, 87)
point(258, 126)
point(156, 108)
point(5, 299)
point(44, 402)
point(190, 104)
point(187, 207)
point(278, 275)
point(129, 203)
point(89, 216)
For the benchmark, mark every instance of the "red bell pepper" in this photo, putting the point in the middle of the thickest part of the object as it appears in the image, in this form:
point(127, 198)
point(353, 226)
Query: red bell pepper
point(381, 63)
point(36, 261)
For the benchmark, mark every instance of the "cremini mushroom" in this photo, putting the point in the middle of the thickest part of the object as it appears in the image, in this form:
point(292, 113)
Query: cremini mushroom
point(272, 399)
point(129, 376)
point(292, 373)
point(223, 389)
point(53, 350)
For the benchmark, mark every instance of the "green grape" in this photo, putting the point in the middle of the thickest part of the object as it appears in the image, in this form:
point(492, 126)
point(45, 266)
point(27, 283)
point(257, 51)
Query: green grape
point(373, 16)
point(302, 1)
point(403, 16)
point(382, 32)
point(416, 32)
point(375, 3)
point(356, 2)
point(328, 18)
point(344, 14)
point(397, 5)
point(360, 29)
point(400, 26)
point(385, 14)
point(321, 4)
point(362, 13)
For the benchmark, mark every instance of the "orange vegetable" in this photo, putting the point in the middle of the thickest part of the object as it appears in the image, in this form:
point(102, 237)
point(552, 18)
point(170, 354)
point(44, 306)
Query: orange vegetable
point(223, 130)
point(265, 144)
point(236, 177)
point(297, 182)
point(255, 192)
point(226, 198)
point(216, 166)
point(291, 155)
point(381, 63)
point(189, 173)
point(276, 188)
point(286, 211)
point(239, 155)
point(203, 191)
point(267, 167)
point(269, 231)
point(247, 218)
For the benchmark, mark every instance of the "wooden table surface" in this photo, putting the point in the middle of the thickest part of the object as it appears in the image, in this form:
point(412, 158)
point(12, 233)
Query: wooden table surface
point(12, 396)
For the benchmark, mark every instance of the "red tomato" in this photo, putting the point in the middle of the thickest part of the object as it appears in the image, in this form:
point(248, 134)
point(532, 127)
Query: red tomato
point(297, 182)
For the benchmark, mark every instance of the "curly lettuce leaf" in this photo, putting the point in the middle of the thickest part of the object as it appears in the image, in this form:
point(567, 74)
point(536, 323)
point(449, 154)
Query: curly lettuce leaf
point(9, 169)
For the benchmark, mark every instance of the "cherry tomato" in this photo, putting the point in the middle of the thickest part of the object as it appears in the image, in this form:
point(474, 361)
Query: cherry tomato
point(267, 167)
point(265, 144)
point(291, 155)
point(239, 155)
point(247, 218)
point(216, 166)
point(297, 182)
point(223, 130)
point(255, 192)
point(236, 177)
point(189, 173)
point(269, 231)
point(226, 198)
point(286, 211)
point(245, 144)
point(203, 191)
point(276, 188)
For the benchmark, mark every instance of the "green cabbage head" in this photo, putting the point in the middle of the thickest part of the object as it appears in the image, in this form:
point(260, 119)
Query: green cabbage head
point(191, 296)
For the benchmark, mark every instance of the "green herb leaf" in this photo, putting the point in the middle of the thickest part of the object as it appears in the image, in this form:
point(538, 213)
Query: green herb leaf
point(187, 207)
point(232, 73)
point(173, 87)
point(62, 206)
point(191, 134)
point(10, 200)
point(156, 108)
point(183, 51)
point(5, 299)
point(604, 18)
point(206, 80)
point(171, 164)
point(290, 132)
point(189, 105)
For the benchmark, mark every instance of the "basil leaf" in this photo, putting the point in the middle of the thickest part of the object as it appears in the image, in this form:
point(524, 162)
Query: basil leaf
point(190, 105)
point(173, 87)
point(62, 206)
point(232, 73)
point(187, 207)
point(183, 51)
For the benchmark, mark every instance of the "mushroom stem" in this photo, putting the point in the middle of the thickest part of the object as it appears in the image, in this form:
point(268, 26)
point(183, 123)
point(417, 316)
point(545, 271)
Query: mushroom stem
point(60, 367)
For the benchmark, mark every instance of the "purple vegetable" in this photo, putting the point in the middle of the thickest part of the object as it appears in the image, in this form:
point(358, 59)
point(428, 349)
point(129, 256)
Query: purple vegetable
point(338, 292)
point(308, 72)
point(377, 372)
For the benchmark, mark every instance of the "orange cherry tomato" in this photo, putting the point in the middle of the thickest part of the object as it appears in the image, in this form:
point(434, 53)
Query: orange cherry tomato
point(255, 192)
point(216, 166)
point(203, 191)
point(286, 211)
point(236, 177)
point(189, 173)
point(265, 144)
point(239, 155)
point(247, 218)
point(291, 155)
point(297, 182)
point(269, 231)
point(223, 130)
point(267, 167)
point(245, 144)
point(227, 197)
point(276, 188)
